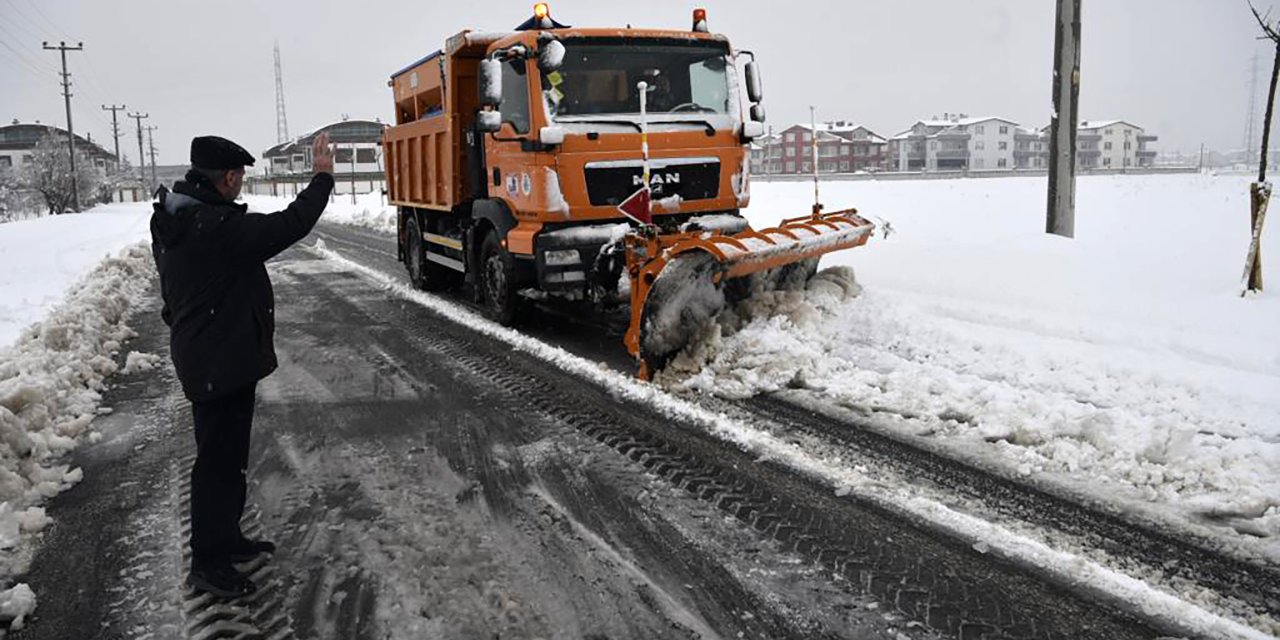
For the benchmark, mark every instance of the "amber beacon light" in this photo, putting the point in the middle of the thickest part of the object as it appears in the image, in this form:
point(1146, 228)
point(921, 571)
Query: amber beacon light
point(541, 10)
point(700, 20)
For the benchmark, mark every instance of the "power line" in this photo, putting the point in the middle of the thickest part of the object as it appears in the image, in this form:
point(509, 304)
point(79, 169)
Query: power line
point(42, 15)
point(62, 49)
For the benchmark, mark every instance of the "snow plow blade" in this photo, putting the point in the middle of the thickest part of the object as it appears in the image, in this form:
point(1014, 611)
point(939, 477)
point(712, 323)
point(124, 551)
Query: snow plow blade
point(681, 281)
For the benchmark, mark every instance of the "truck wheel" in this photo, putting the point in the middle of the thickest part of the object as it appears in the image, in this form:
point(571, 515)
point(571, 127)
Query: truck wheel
point(498, 282)
point(425, 274)
point(415, 257)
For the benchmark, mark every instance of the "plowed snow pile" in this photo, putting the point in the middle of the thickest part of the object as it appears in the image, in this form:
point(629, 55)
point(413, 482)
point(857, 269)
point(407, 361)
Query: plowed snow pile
point(65, 302)
point(1122, 363)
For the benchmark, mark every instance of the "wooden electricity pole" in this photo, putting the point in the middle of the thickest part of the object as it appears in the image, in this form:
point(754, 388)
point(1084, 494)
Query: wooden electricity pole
point(63, 48)
point(115, 128)
point(151, 146)
point(1061, 218)
point(1260, 191)
point(142, 159)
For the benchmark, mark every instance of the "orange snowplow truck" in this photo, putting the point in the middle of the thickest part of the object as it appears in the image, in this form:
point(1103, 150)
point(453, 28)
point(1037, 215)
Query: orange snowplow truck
point(599, 165)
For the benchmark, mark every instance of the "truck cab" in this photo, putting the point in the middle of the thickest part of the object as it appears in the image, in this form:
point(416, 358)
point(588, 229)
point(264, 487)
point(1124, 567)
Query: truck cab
point(512, 152)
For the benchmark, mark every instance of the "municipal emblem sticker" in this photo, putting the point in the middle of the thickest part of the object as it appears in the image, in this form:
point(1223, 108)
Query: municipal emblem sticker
point(526, 184)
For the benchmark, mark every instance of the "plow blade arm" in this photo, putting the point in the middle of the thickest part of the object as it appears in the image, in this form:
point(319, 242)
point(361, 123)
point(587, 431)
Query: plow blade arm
point(679, 281)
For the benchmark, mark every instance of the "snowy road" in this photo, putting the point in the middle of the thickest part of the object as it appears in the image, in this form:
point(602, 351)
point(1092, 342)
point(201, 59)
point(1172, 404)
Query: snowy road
point(424, 481)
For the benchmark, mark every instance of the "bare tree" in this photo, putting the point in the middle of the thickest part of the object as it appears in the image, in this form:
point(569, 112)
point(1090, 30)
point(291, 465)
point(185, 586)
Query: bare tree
point(49, 174)
point(1260, 191)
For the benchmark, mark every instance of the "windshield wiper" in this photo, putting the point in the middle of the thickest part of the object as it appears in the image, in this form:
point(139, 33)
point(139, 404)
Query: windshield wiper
point(711, 130)
point(621, 122)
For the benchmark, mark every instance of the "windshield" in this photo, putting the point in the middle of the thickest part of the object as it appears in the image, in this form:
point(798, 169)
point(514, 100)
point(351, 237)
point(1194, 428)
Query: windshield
point(599, 77)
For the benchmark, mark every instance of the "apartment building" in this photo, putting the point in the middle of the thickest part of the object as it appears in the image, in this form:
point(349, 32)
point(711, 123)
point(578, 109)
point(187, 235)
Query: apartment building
point(1113, 144)
point(955, 142)
point(843, 147)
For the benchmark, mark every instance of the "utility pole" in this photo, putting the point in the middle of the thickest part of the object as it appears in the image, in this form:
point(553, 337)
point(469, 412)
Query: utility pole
point(66, 95)
point(353, 173)
point(142, 160)
point(813, 125)
point(1061, 217)
point(115, 127)
point(151, 144)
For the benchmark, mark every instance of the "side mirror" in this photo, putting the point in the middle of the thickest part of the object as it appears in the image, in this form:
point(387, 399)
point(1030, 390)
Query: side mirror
point(490, 82)
point(551, 56)
point(755, 92)
point(757, 113)
point(489, 121)
point(551, 135)
point(752, 129)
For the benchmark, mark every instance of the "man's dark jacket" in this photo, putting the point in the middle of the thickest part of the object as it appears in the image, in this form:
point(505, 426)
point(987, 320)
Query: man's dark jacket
point(218, 302)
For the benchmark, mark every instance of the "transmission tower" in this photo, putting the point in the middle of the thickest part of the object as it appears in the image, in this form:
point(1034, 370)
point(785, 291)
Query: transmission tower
point(282, 122)
point(1250, 134)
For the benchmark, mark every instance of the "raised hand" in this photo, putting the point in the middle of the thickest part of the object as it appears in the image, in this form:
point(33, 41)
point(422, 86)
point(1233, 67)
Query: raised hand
point(322, 154)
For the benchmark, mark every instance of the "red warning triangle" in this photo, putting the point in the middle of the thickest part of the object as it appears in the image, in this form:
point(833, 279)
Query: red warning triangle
point(636, 206)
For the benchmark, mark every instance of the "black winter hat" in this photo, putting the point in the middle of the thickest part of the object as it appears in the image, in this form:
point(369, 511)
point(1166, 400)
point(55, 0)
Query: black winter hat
point(212, 152)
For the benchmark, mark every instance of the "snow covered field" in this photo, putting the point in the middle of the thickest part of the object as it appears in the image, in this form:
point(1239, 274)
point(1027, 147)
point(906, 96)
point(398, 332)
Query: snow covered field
point(41, 257)
point(1122, 363)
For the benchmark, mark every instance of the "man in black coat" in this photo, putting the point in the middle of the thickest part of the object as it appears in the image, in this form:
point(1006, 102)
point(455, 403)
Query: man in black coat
point(218, 303)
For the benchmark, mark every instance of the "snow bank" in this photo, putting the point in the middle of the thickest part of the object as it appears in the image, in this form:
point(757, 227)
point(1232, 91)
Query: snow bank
point(43, 256)
point(50, 383)
point(1122, 363)
point(369, 210)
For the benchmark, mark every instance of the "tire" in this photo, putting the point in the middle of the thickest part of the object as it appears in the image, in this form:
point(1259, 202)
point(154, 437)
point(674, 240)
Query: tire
point(498, 287)
point(415, 256)
point(425, 274)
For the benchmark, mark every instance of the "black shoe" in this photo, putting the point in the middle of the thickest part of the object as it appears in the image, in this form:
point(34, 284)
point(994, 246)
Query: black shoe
point(248, 549)
point(222, 581)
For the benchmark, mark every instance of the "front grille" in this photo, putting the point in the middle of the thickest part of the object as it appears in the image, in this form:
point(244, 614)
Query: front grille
point(611, 185)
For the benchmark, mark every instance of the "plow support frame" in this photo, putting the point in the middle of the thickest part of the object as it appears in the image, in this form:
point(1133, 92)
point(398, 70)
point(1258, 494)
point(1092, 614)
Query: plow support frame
point(648, 252)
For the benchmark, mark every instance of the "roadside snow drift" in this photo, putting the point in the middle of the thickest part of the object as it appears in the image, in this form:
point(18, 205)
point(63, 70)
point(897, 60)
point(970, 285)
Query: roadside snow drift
point(52, 372)
point(1122, 363)
point(368, 211)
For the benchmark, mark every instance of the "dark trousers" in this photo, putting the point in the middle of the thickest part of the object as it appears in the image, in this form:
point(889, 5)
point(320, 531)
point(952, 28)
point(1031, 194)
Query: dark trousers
point(218, 477)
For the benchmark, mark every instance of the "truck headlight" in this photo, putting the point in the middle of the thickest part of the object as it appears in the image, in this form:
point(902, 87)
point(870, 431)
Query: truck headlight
point(561, 257)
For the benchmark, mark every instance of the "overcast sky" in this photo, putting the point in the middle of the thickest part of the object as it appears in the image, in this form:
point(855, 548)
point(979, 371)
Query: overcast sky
point(1179, 68)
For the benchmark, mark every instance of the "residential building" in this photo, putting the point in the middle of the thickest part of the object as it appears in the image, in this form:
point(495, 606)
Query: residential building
point(18, 139)
point(843, 147)
point(955, 142)
point(357, 160)
point(1030, 149)
point(1113, 144)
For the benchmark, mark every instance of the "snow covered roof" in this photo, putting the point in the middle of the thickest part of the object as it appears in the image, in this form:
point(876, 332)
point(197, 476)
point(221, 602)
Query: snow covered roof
point(964, 121)
point(1102, 124)
point(343, 131)
point(844, 129)
point(25, 135)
